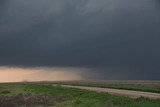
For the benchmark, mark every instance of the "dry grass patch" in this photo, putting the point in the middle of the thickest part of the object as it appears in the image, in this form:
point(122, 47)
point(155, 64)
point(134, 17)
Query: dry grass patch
point(28, 100)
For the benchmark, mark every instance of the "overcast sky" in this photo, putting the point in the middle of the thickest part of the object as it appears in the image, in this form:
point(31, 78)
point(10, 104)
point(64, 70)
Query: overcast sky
point(111, 39)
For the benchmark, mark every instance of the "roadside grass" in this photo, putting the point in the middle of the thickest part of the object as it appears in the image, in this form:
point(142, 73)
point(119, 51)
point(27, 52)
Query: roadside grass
point(147, 86)
point(5, 92)
point(72, 97)
point(28, 100)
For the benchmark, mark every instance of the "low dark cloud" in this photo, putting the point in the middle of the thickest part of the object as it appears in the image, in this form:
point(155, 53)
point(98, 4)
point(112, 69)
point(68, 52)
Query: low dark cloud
point(3, 4)
point(110, 36)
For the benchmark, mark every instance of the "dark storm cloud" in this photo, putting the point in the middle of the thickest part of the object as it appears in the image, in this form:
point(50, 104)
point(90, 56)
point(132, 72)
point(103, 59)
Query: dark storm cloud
point(113, 37)
point(3, 4)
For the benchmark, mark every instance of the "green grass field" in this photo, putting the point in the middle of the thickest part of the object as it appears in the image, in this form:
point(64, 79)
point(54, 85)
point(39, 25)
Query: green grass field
point(69, 97)
point(147, 86)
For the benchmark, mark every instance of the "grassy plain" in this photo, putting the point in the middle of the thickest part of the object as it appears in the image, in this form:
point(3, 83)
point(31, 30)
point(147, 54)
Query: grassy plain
point(147, 86)
point(66, 97)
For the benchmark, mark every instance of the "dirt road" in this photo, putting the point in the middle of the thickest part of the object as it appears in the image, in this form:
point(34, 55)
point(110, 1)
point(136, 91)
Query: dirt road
point(129, 93)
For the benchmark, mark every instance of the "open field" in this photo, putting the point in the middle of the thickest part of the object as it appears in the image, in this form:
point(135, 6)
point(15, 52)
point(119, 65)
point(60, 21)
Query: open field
point(128, 93)
point(46, 95)
point(147, 86)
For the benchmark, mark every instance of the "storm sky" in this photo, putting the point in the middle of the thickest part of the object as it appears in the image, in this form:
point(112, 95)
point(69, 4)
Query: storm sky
point(101, 39)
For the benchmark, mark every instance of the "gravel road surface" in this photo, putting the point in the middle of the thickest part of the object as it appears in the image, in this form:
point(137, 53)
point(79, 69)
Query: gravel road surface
point(129, 93)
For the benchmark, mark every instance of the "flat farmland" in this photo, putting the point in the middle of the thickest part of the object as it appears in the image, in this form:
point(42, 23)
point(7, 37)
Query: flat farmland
point(47, 94)
point(138, 85)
